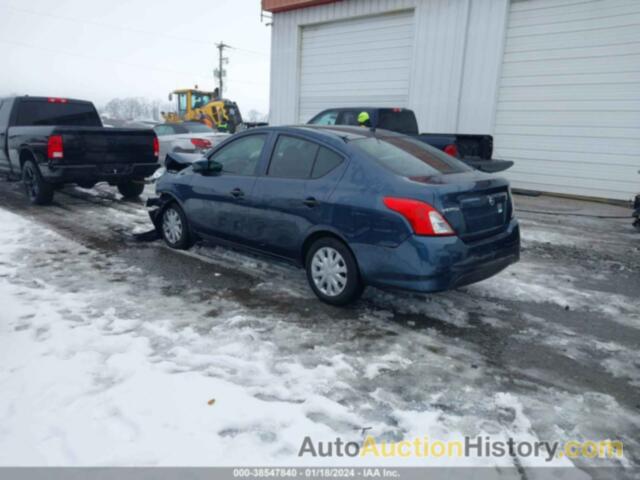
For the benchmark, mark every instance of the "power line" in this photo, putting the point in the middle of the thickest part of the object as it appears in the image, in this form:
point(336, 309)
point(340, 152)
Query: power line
point(125, 29)
point(109, 60)
point(106, 25)
point(254, 52)
point(91, 57)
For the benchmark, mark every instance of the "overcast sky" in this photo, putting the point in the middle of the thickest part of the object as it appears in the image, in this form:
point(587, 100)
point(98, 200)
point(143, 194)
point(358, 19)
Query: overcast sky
point(101, 49)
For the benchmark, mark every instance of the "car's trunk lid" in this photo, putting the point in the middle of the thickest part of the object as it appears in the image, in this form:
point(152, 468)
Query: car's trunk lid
point(476, 205)
point(214, 138)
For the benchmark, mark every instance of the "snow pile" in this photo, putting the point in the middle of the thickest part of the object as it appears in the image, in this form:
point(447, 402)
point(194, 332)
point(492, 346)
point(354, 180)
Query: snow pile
point(101, 364)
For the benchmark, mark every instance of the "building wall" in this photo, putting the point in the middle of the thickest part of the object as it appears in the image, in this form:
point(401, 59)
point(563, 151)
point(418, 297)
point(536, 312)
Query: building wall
point(456, 64)
point(568, 109)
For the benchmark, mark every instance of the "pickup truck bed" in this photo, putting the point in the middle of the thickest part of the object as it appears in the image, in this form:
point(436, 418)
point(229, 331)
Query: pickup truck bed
point(62, 141)
point(474, 150)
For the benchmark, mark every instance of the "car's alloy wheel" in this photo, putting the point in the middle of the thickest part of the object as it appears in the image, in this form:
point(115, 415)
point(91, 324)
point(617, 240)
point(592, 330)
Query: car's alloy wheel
point(329, 271)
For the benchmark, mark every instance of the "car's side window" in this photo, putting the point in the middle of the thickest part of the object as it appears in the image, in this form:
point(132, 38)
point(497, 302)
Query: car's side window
point(327, 118)
point(241, 156)
point(292, 158)
point(348, 117)
point(326, 161)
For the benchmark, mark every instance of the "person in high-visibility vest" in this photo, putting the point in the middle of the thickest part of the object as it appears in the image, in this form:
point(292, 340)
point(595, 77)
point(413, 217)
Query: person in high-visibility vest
point(223, 126)
point(364, 120)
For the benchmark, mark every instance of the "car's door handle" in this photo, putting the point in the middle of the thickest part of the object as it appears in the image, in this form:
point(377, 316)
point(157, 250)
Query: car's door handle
point(237, 193)
point(311, 202)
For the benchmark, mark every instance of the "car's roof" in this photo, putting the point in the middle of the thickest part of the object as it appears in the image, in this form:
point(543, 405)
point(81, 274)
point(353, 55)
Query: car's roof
point(45, 99)
point(343, 109)
point(344, 133)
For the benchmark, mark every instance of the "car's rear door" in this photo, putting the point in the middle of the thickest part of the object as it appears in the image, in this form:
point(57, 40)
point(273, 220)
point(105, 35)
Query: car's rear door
point(292, 194)
point(220, 203)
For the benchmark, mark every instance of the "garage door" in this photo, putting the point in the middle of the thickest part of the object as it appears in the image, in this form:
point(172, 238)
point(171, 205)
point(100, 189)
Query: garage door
point(356, 63)
point(569, 100)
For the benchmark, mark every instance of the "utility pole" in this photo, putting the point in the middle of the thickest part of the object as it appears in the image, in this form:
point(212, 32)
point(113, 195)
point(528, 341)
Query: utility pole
point(220, 72)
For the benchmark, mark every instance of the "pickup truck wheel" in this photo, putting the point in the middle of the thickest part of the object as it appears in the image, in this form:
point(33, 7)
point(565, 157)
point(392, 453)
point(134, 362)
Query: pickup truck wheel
point(131, 189)
point(38, 191)
point(332, 272)
point(175, 228)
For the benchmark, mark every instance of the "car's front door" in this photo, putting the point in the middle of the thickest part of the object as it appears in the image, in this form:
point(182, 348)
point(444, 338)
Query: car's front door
point(221, 201)
point(292, 194)
point(5, 109)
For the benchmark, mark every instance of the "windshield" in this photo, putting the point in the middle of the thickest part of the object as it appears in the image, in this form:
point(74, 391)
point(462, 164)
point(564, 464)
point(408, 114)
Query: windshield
point(408, 157)
point(197, 128)
point(199, 100)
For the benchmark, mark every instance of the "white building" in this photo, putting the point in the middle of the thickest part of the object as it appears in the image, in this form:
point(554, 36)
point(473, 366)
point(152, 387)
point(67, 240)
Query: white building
point(556, 82)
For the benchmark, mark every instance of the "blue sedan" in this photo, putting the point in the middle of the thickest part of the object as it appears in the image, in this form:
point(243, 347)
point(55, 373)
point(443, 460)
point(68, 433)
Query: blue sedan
point(353, 206)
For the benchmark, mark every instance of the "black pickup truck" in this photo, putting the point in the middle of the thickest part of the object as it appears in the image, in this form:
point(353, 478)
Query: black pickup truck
point(49, 142)
point(474, 150)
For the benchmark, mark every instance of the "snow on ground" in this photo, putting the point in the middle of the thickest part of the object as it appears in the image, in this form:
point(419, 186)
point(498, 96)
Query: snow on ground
point(105, 363)
point(95, 374)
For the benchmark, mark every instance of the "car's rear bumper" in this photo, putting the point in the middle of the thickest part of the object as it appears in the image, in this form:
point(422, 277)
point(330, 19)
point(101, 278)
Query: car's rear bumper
point(433, 264)
point(97, 173)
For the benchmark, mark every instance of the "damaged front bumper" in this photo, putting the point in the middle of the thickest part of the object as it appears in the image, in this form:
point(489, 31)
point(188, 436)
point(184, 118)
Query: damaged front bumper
point(154, 206)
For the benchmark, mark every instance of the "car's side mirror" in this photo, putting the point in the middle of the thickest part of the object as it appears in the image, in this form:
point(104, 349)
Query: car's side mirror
point(215, 168)
point(201, 166)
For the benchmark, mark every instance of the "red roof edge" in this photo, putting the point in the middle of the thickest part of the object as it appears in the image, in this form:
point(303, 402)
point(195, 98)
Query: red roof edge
point(279, 6)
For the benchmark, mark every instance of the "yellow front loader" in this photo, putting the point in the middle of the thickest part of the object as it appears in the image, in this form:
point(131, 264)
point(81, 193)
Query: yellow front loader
point(198, 106)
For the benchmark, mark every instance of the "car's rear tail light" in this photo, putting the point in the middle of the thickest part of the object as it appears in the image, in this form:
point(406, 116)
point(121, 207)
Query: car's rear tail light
point(54, 148)
point(452, 150)
point(57, 100)
point(201, 143)
point(423, 218)
point(156, 147)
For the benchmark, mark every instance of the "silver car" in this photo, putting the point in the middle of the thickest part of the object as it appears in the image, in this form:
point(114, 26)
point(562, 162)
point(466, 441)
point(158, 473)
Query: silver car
point(187, 137)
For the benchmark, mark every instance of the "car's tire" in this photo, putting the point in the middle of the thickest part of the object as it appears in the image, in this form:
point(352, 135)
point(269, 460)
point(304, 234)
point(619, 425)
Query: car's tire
point(174, 227)
point(332, 272)
point(131, 188)
point(38, 191)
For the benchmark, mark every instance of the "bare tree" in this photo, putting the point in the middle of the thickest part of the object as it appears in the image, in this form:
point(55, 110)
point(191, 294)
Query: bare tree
point(135, 108)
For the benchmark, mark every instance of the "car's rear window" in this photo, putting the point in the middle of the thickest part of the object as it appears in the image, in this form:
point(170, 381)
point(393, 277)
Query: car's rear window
point(401, 121)
point(43, 112)
point(326, 161)
point(408, 157)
